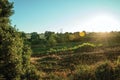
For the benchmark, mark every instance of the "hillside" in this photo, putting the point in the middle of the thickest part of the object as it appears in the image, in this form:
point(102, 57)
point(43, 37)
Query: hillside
point(80, 65)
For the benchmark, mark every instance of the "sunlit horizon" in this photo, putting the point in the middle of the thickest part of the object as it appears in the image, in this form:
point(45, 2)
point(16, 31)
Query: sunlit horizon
point(66, 16)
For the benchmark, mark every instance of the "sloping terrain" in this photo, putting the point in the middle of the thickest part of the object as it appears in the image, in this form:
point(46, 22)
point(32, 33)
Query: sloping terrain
point(66, 66)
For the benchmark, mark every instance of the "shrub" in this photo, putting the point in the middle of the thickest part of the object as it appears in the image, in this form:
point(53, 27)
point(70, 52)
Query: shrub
point(85, 47)
point(31, 74)
point(117, 69)
point(84, 73)
point(104, 72)
point(117, 72)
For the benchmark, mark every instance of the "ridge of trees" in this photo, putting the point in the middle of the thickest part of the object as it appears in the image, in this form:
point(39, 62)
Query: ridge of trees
point(51, 38)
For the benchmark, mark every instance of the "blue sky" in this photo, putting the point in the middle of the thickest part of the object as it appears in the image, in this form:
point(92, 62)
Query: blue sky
point(68, 15)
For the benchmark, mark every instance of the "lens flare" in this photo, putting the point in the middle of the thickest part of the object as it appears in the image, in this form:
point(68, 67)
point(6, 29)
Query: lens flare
point(82, 34)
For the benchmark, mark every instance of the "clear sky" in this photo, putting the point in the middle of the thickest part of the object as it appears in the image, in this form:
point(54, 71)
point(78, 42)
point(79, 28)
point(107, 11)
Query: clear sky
point(66, 15)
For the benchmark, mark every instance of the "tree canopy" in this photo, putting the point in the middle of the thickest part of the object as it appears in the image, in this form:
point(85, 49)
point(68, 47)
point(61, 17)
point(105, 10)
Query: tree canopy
point(14, 54)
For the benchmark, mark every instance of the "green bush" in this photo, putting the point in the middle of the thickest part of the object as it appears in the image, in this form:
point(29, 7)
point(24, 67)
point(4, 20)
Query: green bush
point(117, 69)
point(104, 72)
point(117, 72)
point(31, 74)
point(84, 73)
point(54, 77)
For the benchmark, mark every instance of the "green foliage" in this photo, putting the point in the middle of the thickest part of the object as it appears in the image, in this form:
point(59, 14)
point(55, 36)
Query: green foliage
point(85, 47)
point(52, 76)
point(117, 72)
point(26, 58)
point(65, 48)
point(52, 41)
point(34, 38)
point(117, 69)
point(6, 9)
point(31, 73)
point(14, 54)
point(74, 42)
point(11, 45)
point(84, 73)
point(104, 72)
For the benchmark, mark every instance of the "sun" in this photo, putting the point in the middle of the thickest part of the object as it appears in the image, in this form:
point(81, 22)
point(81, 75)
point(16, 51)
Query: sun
point(102, 23)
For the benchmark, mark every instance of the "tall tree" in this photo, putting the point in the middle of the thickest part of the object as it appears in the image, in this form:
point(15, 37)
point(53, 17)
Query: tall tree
point(13, 53)
point(11, 44)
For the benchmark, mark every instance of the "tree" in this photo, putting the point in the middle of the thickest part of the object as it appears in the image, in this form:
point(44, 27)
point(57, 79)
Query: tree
point(11, 44)
point(48, 34)
point(50, 38)
point(12, 50)
point(34, 38)
point(71, 37)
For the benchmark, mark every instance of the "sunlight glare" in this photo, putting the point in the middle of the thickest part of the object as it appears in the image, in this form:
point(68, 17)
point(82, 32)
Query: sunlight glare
point(102, 23)
point(82, 34)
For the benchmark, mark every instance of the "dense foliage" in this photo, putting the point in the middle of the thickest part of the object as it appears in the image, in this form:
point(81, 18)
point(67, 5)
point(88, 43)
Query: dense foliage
point(14, 54)
point(51, 42)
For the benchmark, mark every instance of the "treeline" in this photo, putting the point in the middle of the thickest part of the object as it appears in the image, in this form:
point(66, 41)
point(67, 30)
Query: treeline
point(52, 39)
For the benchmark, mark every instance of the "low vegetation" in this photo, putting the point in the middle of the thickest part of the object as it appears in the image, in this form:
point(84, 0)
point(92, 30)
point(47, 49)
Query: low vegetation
point(79, 66)
point(94, 56)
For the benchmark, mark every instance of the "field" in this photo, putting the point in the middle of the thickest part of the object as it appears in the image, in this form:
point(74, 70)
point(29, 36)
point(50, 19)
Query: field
point(78, 61)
